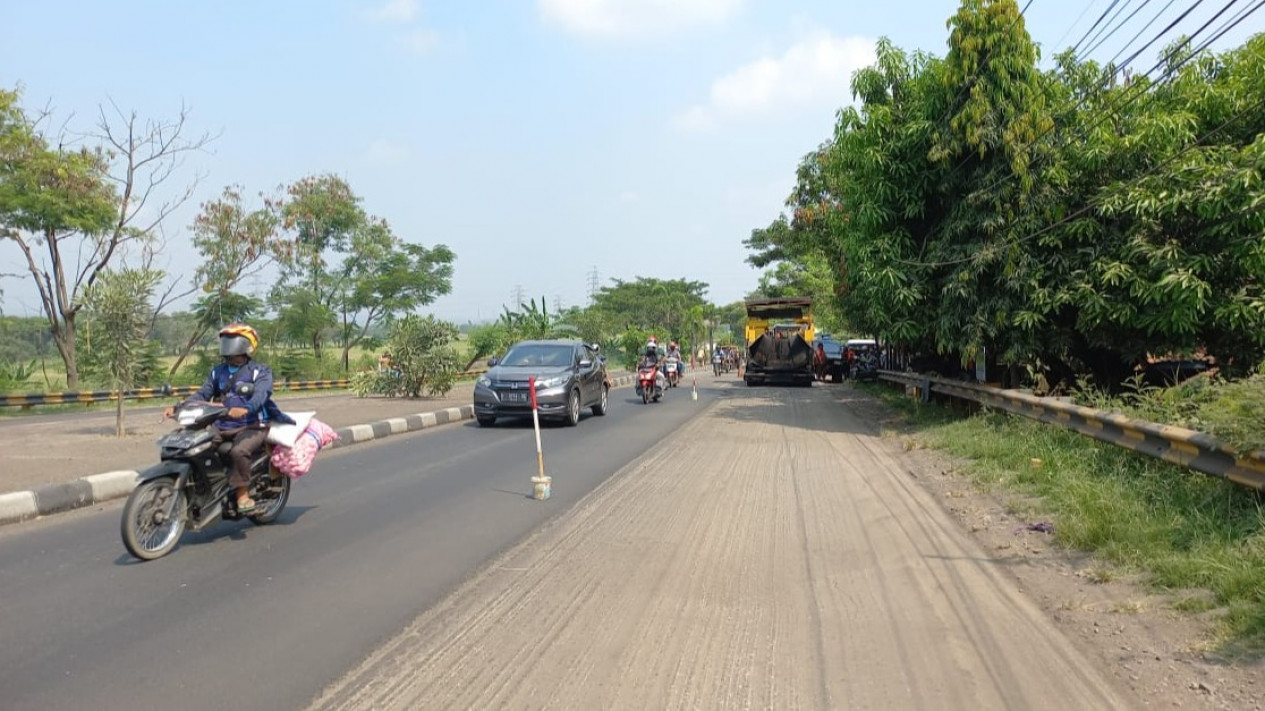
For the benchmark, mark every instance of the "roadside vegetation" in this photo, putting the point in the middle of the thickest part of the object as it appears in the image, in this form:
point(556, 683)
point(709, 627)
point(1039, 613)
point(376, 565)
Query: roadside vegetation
point(1198, 538)
point(1064, 223)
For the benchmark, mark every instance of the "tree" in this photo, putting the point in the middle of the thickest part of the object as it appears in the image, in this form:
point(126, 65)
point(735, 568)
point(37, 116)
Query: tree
point(383, 276)
point(486, 340)
point(421, 357)
point(346, 269)
point(119, 304)
point(649, 304)
point(73, 210)
point(323, 214)
point(234, 243)
point(1062, 219)
point(532, 321)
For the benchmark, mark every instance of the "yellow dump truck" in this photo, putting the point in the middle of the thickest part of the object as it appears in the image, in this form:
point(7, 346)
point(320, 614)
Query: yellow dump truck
point(779, 341)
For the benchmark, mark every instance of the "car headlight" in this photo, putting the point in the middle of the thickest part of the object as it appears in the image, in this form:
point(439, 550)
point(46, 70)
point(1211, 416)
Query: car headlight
point(546, 383)
point(484, 380)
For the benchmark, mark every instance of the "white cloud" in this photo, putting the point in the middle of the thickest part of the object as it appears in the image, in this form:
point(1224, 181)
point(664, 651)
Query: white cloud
point(399, 11)
point(814, 71)
point(634, 18)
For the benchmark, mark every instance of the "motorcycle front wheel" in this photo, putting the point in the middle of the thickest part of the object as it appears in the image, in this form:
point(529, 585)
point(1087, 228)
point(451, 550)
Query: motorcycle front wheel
point(154, 518)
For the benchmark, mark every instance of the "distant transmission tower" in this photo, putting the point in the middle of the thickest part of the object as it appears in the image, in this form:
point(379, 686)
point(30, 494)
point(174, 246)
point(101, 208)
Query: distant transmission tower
point(557, 303)
point(593, 281)
point(517, 293)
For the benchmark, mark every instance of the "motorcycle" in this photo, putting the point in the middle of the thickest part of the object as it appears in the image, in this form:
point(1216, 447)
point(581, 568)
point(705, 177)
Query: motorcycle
point(672, 371)
point(188, 488)
point(864, 367)
point(649, 383)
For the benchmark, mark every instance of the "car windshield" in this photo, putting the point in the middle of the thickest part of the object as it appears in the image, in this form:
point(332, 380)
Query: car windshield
point(539, 355)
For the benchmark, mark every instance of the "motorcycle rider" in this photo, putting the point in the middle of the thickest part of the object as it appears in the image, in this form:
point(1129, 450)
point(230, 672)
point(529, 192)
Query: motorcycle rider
point(245, 388)
point(674, 351)
point(650, 357)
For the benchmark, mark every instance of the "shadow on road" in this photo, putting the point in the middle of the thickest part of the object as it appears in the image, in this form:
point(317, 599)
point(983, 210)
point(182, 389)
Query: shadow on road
point(232, 530)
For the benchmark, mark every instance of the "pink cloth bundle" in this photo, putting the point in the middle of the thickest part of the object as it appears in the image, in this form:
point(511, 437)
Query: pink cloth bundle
point(296, 461)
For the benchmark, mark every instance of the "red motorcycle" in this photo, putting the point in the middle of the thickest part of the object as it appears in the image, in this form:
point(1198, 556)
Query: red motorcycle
point(649, 385)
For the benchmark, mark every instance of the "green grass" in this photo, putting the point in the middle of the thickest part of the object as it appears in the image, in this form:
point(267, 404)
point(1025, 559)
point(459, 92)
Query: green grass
point(1180, 530)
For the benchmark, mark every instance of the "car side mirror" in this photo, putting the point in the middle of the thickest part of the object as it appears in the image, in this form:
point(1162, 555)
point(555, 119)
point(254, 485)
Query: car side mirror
point(493, 361)
point(586, 363)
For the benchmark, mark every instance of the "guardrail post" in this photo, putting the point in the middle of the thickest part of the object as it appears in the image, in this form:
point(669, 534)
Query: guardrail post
point(926, 389)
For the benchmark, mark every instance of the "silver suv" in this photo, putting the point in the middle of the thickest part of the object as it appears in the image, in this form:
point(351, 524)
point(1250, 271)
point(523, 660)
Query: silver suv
point(569, 376)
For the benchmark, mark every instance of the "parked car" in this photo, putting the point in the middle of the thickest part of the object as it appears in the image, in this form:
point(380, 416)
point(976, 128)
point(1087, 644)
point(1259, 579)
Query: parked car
point(570, 376)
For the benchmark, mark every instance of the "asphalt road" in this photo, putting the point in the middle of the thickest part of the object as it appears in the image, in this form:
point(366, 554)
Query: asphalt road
point(247, 617)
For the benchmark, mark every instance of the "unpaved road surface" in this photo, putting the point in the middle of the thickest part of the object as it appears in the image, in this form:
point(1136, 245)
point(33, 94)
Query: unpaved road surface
point(771, 554)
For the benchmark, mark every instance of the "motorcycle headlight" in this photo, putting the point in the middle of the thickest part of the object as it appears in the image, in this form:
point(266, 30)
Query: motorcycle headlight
point(483, 380)
point(546, 383)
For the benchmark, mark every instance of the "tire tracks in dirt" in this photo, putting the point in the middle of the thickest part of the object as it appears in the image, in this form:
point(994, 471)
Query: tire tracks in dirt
point(772, 553)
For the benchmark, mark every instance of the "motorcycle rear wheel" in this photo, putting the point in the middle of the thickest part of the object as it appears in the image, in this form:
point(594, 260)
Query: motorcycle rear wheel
point(270, 507)
point(154, 518)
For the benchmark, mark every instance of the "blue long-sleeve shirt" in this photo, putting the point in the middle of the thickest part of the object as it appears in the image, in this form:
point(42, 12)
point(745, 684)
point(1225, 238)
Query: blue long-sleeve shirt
point(221, 384)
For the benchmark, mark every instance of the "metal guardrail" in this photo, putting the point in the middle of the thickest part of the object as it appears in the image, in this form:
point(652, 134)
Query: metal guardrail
point(1197, 450)
point(91, 396)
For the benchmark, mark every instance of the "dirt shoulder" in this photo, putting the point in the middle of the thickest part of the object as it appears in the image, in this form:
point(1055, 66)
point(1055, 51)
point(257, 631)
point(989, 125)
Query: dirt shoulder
point(778, 552)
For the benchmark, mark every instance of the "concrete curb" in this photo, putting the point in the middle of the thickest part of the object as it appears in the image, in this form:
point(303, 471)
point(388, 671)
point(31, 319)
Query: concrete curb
point(97, 488)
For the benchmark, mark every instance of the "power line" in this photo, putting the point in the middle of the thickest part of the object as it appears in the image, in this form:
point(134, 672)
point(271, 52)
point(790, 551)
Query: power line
point(1077, 46)
point(1145, 27)
point(1076, 22)
point(1099, 42)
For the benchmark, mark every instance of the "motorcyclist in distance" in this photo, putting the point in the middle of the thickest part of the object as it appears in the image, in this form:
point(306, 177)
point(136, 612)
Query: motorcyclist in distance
point(245, 389)
point(650, 355)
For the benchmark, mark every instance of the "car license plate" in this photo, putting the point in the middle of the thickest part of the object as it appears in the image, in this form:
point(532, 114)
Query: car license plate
point(514, 397)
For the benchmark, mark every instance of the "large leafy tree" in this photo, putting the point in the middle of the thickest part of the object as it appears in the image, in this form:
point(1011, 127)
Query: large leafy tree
point(655, 305)
point(344, 268)
point(75, 210)
point(382, 276)
point(1064, 218)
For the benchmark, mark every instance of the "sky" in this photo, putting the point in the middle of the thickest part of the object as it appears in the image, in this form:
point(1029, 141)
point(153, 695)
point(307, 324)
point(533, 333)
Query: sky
point(548, 143)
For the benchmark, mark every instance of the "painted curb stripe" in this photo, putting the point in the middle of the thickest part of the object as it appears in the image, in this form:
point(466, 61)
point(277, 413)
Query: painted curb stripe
point(17, 506)
point(111, 485)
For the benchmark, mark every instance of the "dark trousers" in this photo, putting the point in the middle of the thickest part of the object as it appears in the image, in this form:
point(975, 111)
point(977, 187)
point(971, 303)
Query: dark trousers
point(247, 442)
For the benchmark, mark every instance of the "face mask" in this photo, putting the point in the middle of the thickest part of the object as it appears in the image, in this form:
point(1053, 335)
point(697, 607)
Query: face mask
point(232, 369)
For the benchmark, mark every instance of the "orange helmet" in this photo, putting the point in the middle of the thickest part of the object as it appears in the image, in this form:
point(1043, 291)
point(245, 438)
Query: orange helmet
point(238, 339)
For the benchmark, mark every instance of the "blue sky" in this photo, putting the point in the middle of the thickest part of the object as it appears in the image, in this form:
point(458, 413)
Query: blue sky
point(539, 139)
